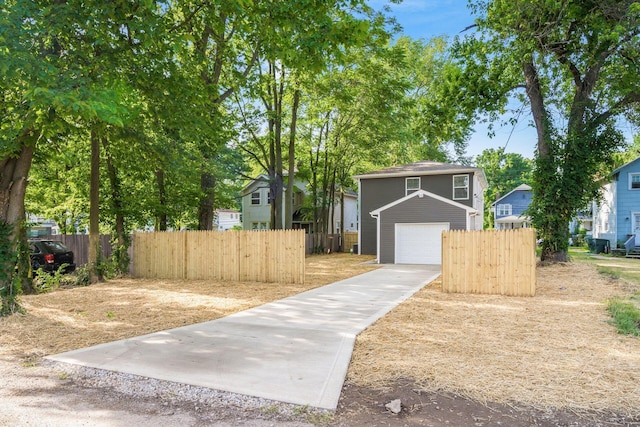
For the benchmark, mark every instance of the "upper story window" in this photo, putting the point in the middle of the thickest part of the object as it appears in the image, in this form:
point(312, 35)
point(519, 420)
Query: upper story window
point(268, 197)
point(634, 181)
point(411, 185)
point(461, 187)
point(503, 210)
point(255, 198)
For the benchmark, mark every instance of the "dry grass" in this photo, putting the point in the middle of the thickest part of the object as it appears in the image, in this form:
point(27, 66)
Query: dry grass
point(555, 350)
point(69, 319)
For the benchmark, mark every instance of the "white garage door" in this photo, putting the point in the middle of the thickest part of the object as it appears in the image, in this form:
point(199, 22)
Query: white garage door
point(419, 243)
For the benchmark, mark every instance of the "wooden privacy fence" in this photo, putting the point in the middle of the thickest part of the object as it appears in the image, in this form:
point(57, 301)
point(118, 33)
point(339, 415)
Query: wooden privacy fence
point(350, 239)
point(262, 256)
point(489, 262)
point(79, 244)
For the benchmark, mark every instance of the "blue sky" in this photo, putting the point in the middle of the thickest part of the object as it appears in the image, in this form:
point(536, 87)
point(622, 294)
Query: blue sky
point(430, 18)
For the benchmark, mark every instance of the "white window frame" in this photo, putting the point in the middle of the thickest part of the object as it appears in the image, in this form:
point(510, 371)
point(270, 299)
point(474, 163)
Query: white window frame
point(254, 198)
point(408, 190)
point(631, 176)
point(466, 187)
point(259, 225)
point(503, 209)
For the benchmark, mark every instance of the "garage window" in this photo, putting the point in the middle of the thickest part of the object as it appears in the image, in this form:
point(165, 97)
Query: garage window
point(461, 187)
point(411, 185)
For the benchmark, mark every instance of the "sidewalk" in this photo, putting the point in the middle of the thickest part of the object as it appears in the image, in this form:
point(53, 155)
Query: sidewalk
point(294, 350)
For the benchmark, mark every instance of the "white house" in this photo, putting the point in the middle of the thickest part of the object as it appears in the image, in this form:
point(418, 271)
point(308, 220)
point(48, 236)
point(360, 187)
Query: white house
point(226, 219)
point(256, 207)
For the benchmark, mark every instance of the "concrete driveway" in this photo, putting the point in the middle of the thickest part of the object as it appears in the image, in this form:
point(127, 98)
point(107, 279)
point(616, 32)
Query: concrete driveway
point(294, 350)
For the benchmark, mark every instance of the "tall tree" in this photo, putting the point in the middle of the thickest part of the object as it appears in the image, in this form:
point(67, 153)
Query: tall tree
point(576, 64)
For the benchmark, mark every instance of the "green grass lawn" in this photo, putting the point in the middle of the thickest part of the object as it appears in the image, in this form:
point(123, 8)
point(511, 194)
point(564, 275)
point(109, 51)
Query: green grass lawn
point(624, 310)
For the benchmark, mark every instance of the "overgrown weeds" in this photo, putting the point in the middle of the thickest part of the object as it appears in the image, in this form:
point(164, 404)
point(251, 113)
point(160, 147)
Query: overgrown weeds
point(625, 314)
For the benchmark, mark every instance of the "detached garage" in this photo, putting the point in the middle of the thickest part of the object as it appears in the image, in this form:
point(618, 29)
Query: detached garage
point(409, 230)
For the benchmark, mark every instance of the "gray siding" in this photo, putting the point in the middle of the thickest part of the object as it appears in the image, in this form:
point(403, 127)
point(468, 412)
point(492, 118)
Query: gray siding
point(416, 210)
point(379, 192)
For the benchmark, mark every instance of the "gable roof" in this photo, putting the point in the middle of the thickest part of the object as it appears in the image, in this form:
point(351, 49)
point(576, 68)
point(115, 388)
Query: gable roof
point(521, 187)
point(624, 166)
point(421, 194)
point(423, 167)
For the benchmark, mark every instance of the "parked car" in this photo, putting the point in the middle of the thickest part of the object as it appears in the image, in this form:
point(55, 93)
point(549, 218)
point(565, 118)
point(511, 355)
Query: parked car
point(50, 255)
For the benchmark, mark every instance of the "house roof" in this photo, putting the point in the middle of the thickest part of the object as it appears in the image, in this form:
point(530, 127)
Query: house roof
point(424, 167)
point(516, 219)
point(521, 187)
point(624, 166)
point(262, 181)
point(421, 194)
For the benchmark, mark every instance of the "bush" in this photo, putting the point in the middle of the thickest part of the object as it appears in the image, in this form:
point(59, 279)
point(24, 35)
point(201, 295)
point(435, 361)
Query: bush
point(45, 282)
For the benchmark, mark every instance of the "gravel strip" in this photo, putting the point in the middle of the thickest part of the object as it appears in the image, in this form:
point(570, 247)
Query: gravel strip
point(171, 393)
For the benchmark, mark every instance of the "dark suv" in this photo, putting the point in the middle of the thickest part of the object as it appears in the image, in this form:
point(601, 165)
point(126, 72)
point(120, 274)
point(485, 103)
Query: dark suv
point(50, 255)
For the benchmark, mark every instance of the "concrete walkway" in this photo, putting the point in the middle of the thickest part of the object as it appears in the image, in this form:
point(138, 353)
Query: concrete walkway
point(294, 350)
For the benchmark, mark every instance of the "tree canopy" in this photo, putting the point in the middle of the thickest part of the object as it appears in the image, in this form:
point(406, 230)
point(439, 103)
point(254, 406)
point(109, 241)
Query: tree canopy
point(575, 64)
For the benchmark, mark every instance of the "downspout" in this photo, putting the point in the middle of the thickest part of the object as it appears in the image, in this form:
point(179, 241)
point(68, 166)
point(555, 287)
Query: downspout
point(375, 216)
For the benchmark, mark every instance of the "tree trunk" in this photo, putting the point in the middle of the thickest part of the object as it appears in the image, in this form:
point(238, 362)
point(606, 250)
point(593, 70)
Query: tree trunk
point(161, 216)
point(205, 216)
point(342, 248)
point(292, 161)
point(115, 196)
point(550, 215)
point(119, 252)
point(14, 170)
point(94, 210)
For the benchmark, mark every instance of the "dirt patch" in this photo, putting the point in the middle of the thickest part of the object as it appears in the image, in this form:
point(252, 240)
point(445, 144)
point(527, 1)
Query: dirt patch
point(366, 407)
point(451, 359)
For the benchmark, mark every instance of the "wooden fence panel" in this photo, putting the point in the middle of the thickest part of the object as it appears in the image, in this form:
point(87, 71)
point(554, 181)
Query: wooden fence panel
point(350, 239)
point(489, 262)
point(79, 244)
point(264, 256)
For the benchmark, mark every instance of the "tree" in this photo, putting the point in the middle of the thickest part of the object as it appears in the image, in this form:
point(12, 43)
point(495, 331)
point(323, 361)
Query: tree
point(577, 64)
point(504, 172)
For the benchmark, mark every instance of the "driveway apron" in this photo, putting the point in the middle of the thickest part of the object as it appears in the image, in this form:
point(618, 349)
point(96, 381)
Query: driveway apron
point(294, 350)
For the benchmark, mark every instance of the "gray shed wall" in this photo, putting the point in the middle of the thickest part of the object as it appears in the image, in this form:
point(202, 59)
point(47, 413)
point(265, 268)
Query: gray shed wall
point(416, 210)
point(378, 192)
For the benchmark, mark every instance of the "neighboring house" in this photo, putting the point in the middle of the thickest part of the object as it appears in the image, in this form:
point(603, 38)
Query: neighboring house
point(39, 226)
point(404, 209)
point(617, 216)
point(256, 207)
point(226, 219)
point(508, 210)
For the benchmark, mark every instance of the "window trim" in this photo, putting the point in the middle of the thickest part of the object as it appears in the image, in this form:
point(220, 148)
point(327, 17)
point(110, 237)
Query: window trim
point(408, 190)
point(466, 186)
point(631, 176)
point(254, 198)
point(503, 206)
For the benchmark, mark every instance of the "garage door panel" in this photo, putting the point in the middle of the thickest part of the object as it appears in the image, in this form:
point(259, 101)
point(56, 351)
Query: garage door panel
point(419, 243)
